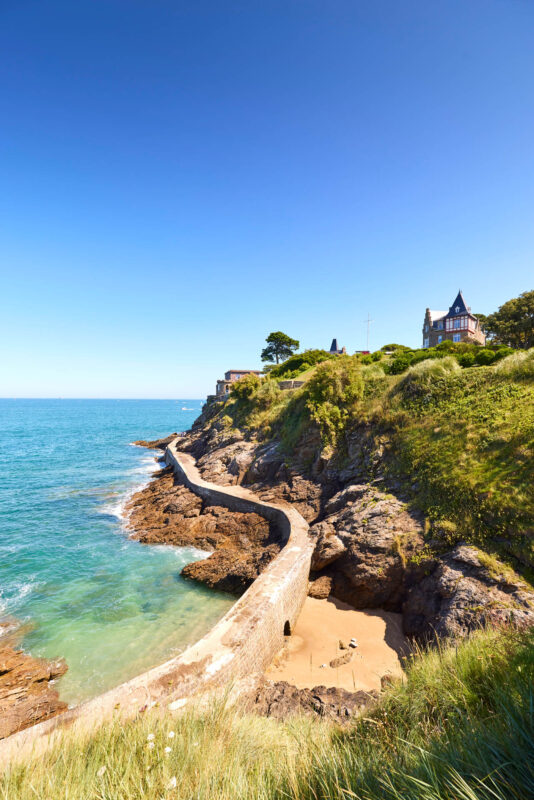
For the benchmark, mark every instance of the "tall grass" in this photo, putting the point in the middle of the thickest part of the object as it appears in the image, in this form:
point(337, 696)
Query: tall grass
point(518, 365)
point(422, 376)
point(460, 727)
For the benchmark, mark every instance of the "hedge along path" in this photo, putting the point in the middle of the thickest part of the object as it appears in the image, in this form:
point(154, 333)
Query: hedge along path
point(233, 654)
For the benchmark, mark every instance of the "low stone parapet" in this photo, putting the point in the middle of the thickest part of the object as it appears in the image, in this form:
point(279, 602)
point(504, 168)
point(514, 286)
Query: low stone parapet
point(290, 384)
point(238, 647)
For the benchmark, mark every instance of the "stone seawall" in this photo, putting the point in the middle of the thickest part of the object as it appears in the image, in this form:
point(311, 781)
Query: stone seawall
point(237, 648)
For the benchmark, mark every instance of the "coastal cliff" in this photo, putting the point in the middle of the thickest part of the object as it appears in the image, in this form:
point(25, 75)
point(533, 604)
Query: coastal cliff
point(381, 539)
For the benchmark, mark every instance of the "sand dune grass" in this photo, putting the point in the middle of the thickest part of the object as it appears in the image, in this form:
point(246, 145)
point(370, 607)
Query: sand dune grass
point(460, 727)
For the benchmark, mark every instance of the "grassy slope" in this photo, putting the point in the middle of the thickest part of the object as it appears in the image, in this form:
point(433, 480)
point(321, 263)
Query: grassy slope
point(461, 441)
point(461, 726)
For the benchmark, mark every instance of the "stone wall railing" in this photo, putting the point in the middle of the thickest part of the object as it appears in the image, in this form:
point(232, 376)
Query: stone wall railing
point(239, 646)
point(290, 384)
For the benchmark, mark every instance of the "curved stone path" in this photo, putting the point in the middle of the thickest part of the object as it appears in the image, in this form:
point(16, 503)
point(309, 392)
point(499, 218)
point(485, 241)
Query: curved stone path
point(238, 648)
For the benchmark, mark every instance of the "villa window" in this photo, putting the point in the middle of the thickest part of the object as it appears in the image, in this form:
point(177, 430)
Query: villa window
point(439, 339)
point(425, 342)
point(457, 323)
point(456, 337)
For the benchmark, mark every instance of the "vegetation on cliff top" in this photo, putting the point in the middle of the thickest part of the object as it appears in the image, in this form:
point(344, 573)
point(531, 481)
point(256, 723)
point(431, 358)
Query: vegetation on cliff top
point(460, 727)
point(459, 440)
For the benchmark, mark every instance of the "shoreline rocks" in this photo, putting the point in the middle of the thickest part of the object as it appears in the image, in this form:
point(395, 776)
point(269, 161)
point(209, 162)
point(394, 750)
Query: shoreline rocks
point(27, 695)
point(156, 444)
point(165, 512)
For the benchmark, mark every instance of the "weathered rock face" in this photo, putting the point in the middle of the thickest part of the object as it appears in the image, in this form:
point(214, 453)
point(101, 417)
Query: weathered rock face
point(364, 545)
point(230, 569)
point(320, 587)
point(370, 552)
point(282, 700)
point(270, 477)
point(26, 693)
point(461, 594)
point(168, 513)
point(227, 465)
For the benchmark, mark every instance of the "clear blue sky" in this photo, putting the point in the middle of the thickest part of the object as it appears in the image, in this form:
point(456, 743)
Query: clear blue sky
point(181, 178)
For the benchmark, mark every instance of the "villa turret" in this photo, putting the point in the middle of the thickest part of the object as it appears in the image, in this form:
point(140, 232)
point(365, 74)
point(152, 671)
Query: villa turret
point(457, 324)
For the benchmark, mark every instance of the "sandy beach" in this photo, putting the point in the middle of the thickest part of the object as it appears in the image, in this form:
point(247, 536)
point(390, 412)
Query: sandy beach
point(315, 642)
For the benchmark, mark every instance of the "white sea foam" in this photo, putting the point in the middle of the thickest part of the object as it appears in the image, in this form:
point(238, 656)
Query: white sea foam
point(16, 593)
point(116, 505)
point(188, 553)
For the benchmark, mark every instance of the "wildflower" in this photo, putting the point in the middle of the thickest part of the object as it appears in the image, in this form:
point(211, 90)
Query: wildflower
point(172, 783)
point(168, 749)
point(101, 770)
point(151, 745)
point(150, 737)
point(171, 734)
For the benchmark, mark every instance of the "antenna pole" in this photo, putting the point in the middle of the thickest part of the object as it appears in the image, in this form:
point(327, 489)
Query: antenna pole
point(368, 321)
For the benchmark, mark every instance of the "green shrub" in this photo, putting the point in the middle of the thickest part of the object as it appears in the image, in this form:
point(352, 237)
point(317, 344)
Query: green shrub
point(485, 357)
point(267, 395)
point(331, 392)
point(245, 386)
point(502, 352)
point(300, 362)
point(390, 348)
point(466, 359)
point(399, 364)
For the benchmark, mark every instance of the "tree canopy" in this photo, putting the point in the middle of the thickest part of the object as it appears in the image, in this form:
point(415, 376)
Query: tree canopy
point(513, 323)
point(279, 347)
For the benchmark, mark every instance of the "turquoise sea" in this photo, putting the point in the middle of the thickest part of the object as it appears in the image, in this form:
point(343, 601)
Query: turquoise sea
point(110, 606)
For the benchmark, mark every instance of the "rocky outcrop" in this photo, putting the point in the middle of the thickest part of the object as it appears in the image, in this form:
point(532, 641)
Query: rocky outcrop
point(26, 692)
point(165, 512)
point(366, 544)
point(371, 552)
point(157, 444)
point(227, 465)
point(320, 587)
point(231, 570)
point(282, 700)
point(460, 593)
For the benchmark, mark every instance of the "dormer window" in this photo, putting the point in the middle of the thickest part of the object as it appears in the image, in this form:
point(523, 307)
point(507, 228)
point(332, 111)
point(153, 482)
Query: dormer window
point(457, 310)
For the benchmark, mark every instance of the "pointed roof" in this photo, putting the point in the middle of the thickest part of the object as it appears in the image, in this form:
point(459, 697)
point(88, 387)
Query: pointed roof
point(459, 306)
point(333, 347)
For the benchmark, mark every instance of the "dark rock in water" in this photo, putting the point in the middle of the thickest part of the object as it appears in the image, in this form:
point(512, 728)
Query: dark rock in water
point(282, 700)
point(26, 696)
